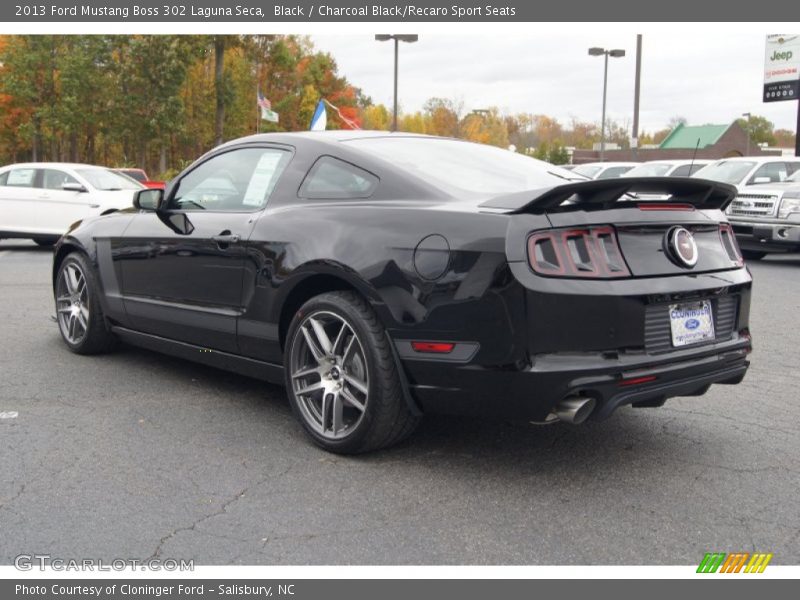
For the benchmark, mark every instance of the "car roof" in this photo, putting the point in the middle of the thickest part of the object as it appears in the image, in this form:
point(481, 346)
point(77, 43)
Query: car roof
point(52, 165)
point(758, 159)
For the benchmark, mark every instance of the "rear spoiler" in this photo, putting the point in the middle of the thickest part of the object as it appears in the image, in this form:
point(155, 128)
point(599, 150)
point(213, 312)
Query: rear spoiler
point(607, 193)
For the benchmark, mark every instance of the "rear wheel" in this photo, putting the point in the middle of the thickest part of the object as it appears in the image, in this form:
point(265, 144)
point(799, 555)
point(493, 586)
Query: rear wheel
point(341, 376)
point(753, 254)
point(78, 311)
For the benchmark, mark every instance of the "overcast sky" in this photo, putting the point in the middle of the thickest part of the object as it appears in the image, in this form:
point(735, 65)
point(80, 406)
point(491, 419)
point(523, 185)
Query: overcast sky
point(707, 78)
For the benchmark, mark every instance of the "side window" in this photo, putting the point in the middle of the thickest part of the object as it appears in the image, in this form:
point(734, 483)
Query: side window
point(235, 181)
point(21, 178)
point(682, 171)
point(53, 179)
point(3, 178)
point(334, 178)
point(793, 167)
point(774, 171)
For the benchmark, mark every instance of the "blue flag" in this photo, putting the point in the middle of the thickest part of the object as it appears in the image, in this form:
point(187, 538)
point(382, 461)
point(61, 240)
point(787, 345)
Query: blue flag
point(320, 119)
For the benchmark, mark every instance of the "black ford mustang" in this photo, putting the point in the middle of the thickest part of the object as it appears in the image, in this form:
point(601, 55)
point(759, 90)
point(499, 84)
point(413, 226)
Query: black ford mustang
point(382, 276)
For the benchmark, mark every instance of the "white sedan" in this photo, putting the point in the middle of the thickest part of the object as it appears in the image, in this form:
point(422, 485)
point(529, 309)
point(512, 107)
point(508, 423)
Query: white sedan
point(41, 200)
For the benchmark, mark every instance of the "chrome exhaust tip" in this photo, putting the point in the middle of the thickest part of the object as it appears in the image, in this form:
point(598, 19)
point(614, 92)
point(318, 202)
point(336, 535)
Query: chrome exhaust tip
point(575, 409)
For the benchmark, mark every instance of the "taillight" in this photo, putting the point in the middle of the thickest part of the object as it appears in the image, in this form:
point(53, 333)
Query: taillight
point(728, 239)
point(591, 252)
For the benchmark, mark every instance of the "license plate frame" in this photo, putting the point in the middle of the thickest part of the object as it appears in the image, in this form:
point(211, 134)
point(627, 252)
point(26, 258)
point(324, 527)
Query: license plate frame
point(691, 323)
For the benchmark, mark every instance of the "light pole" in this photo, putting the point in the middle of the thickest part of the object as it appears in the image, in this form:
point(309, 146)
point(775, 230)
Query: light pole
point(605, 53)
point(385, 37)
point(747, 115)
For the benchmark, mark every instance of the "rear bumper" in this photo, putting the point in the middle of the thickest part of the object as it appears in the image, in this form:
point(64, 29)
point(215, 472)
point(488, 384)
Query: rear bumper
point(531, 393)
point(767, 234)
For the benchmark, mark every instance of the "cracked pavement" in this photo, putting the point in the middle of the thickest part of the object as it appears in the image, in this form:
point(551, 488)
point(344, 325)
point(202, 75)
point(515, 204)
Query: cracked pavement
point(136, 455)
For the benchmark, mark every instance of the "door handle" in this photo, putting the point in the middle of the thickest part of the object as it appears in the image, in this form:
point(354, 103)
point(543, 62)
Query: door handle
point(226, 237)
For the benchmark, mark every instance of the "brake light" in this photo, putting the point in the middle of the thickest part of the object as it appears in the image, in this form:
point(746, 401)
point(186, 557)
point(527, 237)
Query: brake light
point(728, 239)
point(591, 252)
point(665, 206)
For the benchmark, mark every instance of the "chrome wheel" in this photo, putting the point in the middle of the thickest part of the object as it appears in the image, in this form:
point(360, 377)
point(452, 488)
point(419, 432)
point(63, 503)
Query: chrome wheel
point(329, 378)
point(72, 303)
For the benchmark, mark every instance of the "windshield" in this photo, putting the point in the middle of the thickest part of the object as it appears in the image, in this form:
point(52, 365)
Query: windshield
point(465, 168)
point(726, 171)
point(586, 170)
point(107, 180)
point(649, 170)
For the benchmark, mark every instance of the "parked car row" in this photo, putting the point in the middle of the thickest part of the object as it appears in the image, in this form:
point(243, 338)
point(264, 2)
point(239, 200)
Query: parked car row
point(766, 212)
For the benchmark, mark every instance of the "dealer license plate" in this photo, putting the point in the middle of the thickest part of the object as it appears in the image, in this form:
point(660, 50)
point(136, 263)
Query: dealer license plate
point(691, 323)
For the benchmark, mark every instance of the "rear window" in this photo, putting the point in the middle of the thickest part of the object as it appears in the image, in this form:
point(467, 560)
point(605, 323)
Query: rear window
point(463, 168)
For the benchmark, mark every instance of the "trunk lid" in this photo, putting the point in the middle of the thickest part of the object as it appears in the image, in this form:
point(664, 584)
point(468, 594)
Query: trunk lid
point(644, 229)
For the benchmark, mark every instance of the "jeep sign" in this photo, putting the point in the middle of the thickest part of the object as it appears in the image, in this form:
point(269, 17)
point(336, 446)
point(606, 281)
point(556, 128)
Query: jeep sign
point(782, 68)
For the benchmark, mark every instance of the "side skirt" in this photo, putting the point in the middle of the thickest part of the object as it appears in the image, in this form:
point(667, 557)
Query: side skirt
point(214, 358)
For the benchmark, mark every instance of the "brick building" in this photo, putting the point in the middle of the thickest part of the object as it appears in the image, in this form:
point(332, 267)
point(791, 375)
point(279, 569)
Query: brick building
point(711, 141)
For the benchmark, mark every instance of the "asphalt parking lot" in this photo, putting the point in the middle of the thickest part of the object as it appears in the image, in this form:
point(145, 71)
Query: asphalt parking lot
point(135, 455)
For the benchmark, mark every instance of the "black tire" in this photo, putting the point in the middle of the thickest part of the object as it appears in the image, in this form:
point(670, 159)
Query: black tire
point(44, 242)
point(753, 254)
point(386, 418)
point(96, 338)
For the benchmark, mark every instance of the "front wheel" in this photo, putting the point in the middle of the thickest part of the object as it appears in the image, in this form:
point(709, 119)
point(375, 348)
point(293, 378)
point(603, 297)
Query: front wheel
point(78, 311)
point(341, 376)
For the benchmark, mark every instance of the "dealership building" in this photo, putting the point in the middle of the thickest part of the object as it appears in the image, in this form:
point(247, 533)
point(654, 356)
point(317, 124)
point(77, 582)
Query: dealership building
point(711, 142)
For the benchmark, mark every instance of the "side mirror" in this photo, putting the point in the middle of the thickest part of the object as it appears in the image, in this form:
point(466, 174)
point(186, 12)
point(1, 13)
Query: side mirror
point(148, 199)
point(73, 187)
point(761, 180)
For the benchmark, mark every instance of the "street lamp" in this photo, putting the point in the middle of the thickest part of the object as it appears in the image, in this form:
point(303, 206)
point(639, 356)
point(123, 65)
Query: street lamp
point(747, 116)
point(385, 37)
point(613, 54)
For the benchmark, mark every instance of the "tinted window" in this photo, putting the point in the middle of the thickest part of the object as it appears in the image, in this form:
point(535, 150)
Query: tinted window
point(683, 170)
point(695, 169)
point(612, 172)
point(134, 174)
point(21, 178)
point(774, 171)
point(53, 179)
point(463, 168)
point(334, 178)
point(239, 180)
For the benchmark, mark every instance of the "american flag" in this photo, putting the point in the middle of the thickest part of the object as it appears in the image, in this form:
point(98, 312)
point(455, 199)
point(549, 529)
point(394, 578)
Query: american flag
point(263, 102)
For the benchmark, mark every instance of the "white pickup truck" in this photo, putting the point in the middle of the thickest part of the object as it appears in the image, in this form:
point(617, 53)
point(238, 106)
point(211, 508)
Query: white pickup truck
point(766, 212)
